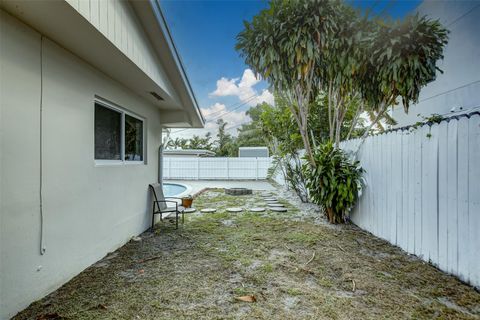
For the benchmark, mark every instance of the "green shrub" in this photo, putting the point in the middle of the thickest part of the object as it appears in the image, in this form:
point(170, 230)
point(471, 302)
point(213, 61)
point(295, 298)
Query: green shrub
point(334, 182)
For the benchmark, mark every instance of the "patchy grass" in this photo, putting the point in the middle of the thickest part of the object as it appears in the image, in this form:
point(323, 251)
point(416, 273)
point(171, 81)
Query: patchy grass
point(296, 270)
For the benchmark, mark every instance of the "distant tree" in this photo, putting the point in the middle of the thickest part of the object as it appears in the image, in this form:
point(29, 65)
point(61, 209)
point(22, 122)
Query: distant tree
point(177, 143)
point(250, 134)
point(225, 141)
point(195, 142)
point(198, 142)
point(284, 140)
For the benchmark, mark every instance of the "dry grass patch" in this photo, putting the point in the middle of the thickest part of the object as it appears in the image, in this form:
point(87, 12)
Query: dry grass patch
point(294, 268)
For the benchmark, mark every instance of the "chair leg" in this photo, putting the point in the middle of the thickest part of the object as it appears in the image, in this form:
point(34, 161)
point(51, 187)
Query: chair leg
point(153, 217)
point(183, 217)
point(176, 220)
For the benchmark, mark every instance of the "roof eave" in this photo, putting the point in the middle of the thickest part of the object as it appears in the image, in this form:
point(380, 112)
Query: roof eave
point(155, 5)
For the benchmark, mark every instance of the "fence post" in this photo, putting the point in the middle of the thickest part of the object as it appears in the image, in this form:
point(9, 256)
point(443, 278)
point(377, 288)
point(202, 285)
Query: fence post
point(198, 168)
point(169, 168)
point(228, 168)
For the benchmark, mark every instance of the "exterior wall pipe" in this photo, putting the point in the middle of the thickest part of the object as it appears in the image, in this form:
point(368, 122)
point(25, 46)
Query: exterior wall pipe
point(160, 164)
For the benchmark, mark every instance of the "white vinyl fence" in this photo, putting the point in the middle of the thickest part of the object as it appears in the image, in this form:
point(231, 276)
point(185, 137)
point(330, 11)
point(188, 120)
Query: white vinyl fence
point(423, 193)
point(189, 168)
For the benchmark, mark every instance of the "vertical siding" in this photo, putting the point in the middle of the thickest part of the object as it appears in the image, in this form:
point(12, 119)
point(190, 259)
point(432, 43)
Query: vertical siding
point(422, 193)
point(116, 20)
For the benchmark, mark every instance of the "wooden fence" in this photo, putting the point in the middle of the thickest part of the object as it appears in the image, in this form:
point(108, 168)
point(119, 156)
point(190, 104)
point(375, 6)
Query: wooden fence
point(422, 192)
point(189, 168)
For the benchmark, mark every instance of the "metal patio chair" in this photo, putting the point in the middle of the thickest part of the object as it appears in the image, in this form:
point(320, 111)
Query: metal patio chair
point(165, 207)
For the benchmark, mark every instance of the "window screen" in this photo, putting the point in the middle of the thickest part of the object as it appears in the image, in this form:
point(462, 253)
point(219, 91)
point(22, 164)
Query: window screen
point(108, 133)
point(133, 139)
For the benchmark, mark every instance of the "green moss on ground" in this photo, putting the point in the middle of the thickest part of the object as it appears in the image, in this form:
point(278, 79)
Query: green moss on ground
point(296, 270)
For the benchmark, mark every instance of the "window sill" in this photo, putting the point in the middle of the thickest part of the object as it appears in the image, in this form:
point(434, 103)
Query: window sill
point(130, 163)
point(105, 163)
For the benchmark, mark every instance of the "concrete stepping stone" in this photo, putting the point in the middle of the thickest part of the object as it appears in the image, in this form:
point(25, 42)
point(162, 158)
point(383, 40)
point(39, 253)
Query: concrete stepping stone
point(234, 209)
point(258, 209)
point(278, 209)
point(208, 210)
point(270, 199)
point(275, 205)
point(190, 210)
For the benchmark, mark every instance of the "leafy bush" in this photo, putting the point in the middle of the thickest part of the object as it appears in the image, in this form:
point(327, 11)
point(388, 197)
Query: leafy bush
point(290, 167)
point(334, 182)
point(295, 177)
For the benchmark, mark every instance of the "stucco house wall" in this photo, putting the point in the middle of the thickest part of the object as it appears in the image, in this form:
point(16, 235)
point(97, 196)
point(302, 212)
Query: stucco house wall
point(47, 99)
point(459, 85)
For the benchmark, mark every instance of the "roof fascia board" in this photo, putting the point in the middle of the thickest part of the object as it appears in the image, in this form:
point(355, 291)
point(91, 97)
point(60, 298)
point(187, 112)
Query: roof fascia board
point(155, 4)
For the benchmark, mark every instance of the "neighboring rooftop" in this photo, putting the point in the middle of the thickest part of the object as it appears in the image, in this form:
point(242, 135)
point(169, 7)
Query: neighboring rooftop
point(253, 152)
point(189, 152)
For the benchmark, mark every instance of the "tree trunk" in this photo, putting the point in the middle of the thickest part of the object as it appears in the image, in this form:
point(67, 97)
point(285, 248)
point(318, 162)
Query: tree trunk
point(365, 135)
point(301, 117)
point(330, 215)
point(308, 148)
point(355, 120)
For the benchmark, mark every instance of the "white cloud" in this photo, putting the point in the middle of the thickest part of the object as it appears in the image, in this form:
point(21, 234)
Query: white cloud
point(226, 87)
point(243, 89)
point(248, 79)
point(265, 96)
point(220, 111)
point(212, 114)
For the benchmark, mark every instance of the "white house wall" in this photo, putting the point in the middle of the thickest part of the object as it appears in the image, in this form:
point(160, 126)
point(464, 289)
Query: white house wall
point(20, 168)
point(88, 210)
point(116, 20)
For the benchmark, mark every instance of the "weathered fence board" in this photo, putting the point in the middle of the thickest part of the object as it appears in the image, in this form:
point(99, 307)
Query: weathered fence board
point(474, 198)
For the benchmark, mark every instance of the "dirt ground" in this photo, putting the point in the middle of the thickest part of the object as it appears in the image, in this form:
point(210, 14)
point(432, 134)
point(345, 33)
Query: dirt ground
point(294, 265)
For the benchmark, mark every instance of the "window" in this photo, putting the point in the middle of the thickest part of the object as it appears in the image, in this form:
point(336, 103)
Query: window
point(133, 139)
point(118, 136)
point(108, 136)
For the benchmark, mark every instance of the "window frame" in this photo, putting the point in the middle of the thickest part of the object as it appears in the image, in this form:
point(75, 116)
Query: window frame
point(123, 112)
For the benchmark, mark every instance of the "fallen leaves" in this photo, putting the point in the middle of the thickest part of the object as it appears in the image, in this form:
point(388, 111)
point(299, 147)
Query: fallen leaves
point(249, 298)
point(311, 259)
point(298, 268)
point(102, 306)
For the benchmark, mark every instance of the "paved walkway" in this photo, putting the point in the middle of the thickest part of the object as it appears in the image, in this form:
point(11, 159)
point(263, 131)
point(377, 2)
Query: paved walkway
point(198, 185)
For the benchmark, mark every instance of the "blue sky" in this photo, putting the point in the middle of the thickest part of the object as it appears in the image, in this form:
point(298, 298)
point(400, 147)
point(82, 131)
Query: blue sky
point(205, 31)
